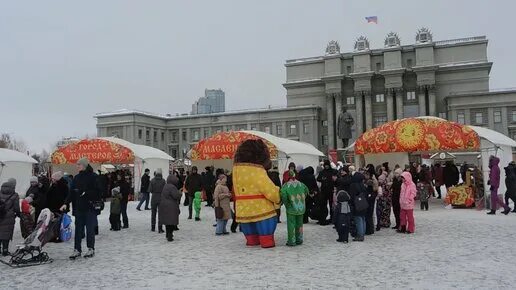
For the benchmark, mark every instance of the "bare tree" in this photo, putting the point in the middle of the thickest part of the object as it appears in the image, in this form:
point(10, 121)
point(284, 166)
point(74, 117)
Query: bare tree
point(6, 141)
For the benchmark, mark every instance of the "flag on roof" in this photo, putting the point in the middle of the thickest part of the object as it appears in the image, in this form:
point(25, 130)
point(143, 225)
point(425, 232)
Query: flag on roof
point(372, 19)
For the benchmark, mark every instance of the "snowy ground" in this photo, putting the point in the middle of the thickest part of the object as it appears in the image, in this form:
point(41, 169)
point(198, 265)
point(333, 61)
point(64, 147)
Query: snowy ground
point(451, 249)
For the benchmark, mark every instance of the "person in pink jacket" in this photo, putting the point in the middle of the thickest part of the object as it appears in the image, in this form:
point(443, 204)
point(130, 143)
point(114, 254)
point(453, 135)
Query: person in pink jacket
point(407, 202)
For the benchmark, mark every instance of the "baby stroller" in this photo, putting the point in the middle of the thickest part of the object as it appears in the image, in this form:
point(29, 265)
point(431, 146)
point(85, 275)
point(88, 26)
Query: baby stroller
point(30, 253)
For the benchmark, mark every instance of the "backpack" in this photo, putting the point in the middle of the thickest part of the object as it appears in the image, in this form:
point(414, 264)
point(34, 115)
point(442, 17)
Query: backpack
point(3, 207)
point(65, 232)
point(360, 202)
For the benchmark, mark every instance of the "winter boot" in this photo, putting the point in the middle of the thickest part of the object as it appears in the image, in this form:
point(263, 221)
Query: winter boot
point(76, 254)
point(197, 219)
point(378, 228)
point(160, 230)
point(153, 228)
point(402, 230)
point(507, 211)
point(96, 231)
point(90, 253)
point(514, 210)
point(170, 236)
point(492, 212)
point(175, 228)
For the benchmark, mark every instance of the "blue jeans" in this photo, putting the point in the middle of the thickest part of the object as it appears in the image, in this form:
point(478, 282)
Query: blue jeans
point(86, 220)
point(145, 198)
point(360, 225)
point(221, 227)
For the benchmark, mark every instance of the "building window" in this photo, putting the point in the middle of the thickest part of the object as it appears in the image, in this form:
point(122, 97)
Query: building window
point(380, 98)
point(461, 118)
point(324, 140)
point(155, 136)
point(350, 100)
point(411, 96)
point(195, 135)
point(349, 69)
point(279, 130)
point(254, 127)
point(409, 62)
point(162, 136)
point(184, 136)
point(442, 115)
point(378, 66)
point(479, 118)
point(206, 132)
point(140, 134)
point(325, 123)
point(292, 129)
point(174, 136)
point(306, 128)
point(218, 130)
point(513, 114)
point(174, 152)
point(380, 120)
point(497, 116)
point(147, 135)
point(267, 129)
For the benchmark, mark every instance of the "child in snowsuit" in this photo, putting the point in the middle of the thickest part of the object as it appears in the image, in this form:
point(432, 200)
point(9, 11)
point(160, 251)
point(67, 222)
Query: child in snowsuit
point(26, 217)
point(407, 201)
point(424, 195)
point(293, 194)
point(197, 201)
point(342, 216)
point(115, 209)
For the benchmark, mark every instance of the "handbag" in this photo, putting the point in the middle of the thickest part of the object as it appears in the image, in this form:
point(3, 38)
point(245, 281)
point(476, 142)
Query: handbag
point(98, 205)
point(219, 212)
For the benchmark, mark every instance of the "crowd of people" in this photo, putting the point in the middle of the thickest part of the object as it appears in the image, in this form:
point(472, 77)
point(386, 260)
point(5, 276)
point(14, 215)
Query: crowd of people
point(347, 197)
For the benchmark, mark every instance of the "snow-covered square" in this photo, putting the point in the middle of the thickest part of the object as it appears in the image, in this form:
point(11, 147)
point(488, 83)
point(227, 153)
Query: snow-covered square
point(450, 249)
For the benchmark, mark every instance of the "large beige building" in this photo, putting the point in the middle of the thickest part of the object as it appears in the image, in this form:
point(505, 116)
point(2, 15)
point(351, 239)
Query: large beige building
point(448, 79)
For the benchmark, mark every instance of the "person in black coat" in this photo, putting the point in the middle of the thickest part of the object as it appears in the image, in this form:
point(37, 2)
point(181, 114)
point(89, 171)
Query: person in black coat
point(450, 174)
point(57, 192)
point(274, 177)
point(208, 184)
point(510, 183)
point(372, 186)
point(357, 189)
point(38, 197)
point(193, 184)
point(84, 193)
point(125, 190)
point(144, 190)
point(326, 178)
point(307, 177)
point(396, 191)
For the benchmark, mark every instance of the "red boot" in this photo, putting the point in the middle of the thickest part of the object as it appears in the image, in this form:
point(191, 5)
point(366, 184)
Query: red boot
point(252, 240)
point(267, 241)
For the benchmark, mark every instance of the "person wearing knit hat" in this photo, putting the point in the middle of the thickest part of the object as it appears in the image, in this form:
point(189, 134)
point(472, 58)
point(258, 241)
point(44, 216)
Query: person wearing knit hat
point(34, 180)
point(57, 176)
point(396, 190)
point(293, 194)
point(84, 162)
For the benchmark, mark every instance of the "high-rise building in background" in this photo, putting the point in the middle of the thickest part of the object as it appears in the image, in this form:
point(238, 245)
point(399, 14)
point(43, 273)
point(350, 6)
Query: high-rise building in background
point(214, 101)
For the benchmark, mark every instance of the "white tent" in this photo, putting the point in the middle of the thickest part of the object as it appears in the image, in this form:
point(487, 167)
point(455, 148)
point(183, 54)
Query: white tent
point(144, 157)
point(288, 151)
point(496, 144)
point(14, 164)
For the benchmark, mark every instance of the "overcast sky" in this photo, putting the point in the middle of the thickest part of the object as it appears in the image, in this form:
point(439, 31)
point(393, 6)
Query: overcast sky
point(63, 61)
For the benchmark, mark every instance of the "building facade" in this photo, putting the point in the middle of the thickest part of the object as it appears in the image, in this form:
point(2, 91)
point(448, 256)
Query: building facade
point(214, 101)
point(393, 82)
point(447, 79)
point(177, 134)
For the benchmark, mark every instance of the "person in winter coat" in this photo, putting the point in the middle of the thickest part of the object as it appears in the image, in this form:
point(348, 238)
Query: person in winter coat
point(438, 179)
point(407, 202)
point(115, 209)
point(36, 192)
point(383, 204)
point(222, 199)
point(208, 184)
point(327, 188)
point(169, 207)
point(307, 177)
point(274, 177)
point(193, 184)
point(286, 173)
point(84, 193)
point(372, 192)
point(293, 194)
point(57, 192)
point(510, 183)
point(125, 190)
point(450, 174)
point(358, 193)
point(144, 190)
point(396, 191)
point(155, 188)
point(342, 216)
point(197, 204)
point(494, 182)
point(11, 201)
